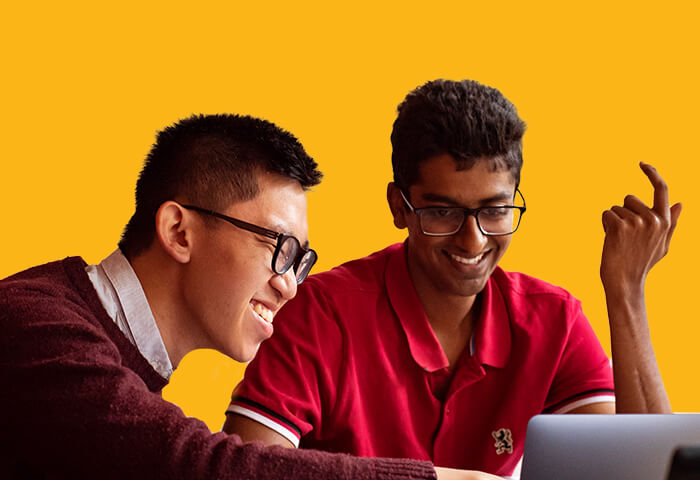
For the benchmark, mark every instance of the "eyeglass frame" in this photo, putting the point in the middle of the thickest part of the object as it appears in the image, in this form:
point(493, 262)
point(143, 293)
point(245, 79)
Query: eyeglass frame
point(266, 232)
point(468, 212)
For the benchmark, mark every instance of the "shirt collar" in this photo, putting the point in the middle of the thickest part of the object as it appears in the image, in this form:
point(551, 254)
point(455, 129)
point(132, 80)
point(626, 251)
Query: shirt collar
point(422, 342)
point(492, 342)
point(491, 338)
point(123, 298)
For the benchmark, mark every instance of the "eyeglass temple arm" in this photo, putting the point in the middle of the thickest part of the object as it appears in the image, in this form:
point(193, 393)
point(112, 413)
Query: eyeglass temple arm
point(236, 222)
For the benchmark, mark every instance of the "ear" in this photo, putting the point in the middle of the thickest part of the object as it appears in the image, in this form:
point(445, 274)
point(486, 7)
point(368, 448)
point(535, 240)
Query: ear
point(396, 204)
point(174, 231)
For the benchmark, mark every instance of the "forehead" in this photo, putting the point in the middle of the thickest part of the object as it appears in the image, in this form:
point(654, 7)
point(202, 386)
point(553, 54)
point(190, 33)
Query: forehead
point(438, 176)
point(280, 205)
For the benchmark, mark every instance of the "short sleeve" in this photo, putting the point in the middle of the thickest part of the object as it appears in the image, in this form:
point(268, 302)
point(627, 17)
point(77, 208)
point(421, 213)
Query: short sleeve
point(584, 372)
point(291, 384)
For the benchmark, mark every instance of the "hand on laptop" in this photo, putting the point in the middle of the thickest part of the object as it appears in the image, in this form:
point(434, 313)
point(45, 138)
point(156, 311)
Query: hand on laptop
point(636, 236)
point(452, 474)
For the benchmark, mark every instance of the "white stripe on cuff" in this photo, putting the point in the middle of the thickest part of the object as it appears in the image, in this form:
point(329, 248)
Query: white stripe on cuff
point(265, 421)
point(585, 401)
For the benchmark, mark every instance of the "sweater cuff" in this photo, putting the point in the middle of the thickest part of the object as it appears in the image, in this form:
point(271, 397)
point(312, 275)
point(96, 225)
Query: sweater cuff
point(394, 469)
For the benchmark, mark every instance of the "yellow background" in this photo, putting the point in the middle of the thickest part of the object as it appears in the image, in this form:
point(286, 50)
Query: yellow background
point(602, 85)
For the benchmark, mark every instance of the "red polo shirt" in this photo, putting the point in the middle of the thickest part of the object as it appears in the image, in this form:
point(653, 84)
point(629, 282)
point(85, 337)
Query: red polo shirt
point(354, 366)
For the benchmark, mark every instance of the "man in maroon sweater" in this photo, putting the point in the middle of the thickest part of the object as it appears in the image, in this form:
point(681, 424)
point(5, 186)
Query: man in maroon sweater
point(217, 244)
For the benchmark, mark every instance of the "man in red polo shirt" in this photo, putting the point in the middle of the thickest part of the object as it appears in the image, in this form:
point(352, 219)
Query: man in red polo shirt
point(429, 350)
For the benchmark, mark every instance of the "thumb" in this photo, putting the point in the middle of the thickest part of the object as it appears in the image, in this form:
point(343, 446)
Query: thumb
point(675, 213)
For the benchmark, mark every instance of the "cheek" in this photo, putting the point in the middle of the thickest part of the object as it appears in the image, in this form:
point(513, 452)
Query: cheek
point(220, 285)
point(427, 247)
point(501, 244)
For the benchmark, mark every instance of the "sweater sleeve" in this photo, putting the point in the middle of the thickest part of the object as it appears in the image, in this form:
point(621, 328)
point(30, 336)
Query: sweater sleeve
point(72, 409)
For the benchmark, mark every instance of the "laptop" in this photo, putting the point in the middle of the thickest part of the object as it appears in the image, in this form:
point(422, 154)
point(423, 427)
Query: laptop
point(685, 464)
point(605, 447)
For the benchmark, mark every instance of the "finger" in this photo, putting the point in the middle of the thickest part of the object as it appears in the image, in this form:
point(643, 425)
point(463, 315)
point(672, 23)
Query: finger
point(623, 213)
point(610, 218)
point(635, 205)
point(675, 213)
point(660, 189)
point(606, 219)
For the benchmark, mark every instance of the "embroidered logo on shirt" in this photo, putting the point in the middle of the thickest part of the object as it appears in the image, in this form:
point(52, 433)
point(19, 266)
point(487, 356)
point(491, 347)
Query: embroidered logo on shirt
point(504, 441)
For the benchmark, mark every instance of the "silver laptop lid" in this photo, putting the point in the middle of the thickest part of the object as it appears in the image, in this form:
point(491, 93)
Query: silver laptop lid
point(605, 447)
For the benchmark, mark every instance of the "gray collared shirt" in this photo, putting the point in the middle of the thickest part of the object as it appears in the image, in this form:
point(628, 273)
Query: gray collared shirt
point(122, 297)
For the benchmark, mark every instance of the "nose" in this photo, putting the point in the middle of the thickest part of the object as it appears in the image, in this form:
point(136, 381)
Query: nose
point(469, 238)
point(285, 284)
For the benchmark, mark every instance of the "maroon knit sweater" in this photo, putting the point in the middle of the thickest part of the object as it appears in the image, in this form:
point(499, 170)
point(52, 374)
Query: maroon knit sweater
point(77, 400)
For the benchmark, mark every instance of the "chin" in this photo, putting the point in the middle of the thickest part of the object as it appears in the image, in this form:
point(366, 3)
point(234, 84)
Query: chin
point(469, 288)
point(241, 353)
point(249, 353)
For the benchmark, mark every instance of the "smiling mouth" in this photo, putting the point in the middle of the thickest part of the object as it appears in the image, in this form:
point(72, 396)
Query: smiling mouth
point(262, 311)
point(465, 260)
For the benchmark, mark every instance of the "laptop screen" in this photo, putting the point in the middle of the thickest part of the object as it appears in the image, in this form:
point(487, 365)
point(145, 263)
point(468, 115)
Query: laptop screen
point(605, 447)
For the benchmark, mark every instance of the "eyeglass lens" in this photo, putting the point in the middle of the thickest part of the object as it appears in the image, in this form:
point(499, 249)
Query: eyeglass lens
point(496, 220)
point(287, 258)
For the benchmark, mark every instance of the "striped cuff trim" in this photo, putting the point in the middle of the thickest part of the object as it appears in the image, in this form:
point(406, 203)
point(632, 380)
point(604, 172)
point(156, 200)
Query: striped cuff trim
point(579, 396)
point(265, 418)
point(584, 401)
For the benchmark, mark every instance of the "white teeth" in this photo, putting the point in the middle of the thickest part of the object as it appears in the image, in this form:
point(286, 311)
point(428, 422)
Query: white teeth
point(467, 261)
point(264, 312)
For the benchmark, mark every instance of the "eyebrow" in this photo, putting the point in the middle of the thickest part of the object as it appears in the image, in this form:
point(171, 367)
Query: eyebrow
point(282, 229)
point(436, 197)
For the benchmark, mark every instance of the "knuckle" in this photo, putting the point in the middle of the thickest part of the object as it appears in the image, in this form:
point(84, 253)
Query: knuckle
point(661, 185)
point(658, 223)
point(650, 217)
point(652, 220)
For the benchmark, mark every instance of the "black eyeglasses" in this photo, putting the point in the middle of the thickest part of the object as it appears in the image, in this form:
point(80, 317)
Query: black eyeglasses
point(444, 221)
point(288, 251)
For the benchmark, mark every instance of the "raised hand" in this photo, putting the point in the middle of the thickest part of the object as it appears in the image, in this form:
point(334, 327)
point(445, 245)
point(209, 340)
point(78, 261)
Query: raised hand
point(636, 236)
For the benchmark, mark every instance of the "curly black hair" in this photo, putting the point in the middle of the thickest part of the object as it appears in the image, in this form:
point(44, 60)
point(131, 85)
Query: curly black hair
point(465, 119)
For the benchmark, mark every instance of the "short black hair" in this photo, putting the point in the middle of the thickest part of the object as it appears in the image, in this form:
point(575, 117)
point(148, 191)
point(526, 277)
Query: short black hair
point(464, 119)
point(212, 161)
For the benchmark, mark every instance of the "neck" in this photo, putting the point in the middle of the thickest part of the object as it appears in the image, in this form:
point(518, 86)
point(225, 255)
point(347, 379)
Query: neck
point(453, 323)
point(158, 278)
point(451, 317)
point(448, 312)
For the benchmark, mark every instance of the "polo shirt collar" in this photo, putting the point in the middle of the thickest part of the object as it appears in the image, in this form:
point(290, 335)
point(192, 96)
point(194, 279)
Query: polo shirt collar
point(491, 340)
point(422, 342)
point(492, 335)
